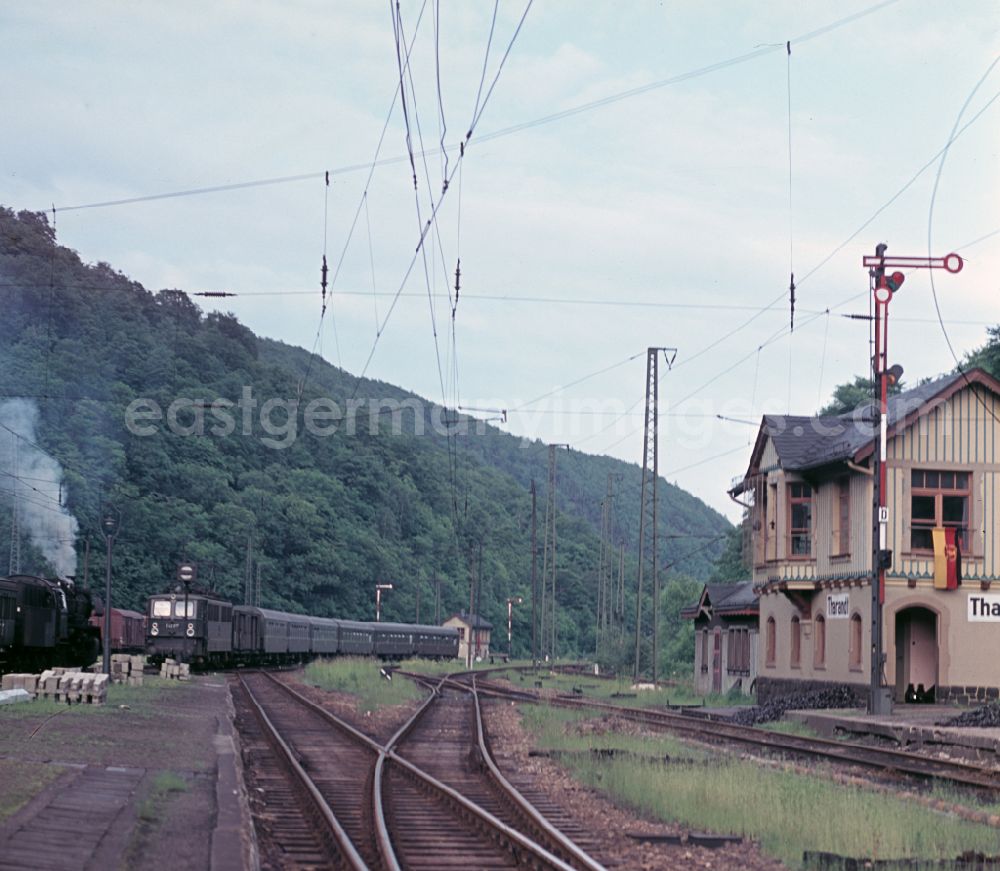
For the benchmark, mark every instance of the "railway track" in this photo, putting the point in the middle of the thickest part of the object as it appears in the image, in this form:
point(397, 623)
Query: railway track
point(891, 761)
point(428, 799)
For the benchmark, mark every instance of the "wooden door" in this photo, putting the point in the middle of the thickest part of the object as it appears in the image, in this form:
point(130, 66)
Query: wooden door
point(717, 662)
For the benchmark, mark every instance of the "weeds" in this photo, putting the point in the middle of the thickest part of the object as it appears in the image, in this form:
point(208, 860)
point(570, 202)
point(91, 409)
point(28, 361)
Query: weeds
point(788, 813)
point(362, 678)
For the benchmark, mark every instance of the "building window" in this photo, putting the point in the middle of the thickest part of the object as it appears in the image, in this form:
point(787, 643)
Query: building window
point(795, 657)
point(769, 657)
point(840, 515)
point(704, 651)
point(937, 499)
point(854, 648)
point(819, 641)
point(739, 651)
point(800, 520)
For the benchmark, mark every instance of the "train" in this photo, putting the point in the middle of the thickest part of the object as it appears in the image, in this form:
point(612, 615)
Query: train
point(208, 631)
point(44, 622)
point(128, 630)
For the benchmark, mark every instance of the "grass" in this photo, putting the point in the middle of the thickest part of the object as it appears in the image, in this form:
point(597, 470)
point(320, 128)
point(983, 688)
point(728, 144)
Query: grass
point(151, 812)
point(141, 700)
point(150, 809)
point(361, 678)
point(788, 813)
point(618, 690)
point(22, 781)
point(791, 727)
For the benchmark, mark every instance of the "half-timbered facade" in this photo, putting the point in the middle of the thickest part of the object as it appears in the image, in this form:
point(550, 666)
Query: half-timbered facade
point(809, 494)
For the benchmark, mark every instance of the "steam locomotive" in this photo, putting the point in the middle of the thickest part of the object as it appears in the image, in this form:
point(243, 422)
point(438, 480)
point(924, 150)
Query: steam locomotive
point(205, 630)
point(44, 623)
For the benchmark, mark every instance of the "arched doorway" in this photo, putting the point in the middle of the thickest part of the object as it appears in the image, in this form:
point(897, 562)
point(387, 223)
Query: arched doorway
point(916, 650)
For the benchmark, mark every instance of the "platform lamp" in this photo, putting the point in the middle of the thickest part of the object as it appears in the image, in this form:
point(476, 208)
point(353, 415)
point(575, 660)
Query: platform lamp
point(516, 600)
point(378, 600)
point(110, 523)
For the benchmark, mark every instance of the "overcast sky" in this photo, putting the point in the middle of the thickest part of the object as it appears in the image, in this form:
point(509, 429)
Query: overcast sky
point(671, 216)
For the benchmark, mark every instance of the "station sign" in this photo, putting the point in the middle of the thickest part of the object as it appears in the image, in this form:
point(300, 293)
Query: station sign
point(984, 608)
point(838, 607)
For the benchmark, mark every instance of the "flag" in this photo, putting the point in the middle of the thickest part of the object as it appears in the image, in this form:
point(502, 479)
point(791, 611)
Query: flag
point(947, 558)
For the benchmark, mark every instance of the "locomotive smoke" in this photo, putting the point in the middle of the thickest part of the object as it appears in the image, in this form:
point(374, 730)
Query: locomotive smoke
point(36, 481)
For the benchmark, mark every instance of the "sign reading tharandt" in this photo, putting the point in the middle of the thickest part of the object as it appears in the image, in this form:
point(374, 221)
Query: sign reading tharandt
point(984, 607)
point(838, 607)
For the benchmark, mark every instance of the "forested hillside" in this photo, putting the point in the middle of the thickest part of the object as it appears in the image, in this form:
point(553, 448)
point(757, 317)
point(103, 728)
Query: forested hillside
point(325, 515)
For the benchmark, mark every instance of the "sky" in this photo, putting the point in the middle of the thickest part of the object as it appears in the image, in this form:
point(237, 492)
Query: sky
point(640, 174)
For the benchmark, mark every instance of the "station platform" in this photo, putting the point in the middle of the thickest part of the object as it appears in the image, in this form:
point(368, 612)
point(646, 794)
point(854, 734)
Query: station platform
point(909, 726)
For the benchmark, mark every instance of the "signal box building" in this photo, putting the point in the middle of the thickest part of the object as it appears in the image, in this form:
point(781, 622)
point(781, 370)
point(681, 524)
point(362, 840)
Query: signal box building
point(474, 630)
point(809, 494)
point(725, 632)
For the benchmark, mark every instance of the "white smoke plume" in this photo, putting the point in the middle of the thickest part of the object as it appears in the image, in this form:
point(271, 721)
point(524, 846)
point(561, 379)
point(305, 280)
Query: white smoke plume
point(36, 479)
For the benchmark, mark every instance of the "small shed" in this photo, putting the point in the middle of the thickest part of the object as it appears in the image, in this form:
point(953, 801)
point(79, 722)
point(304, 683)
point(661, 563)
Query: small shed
point(726, 622)
point(474, 627)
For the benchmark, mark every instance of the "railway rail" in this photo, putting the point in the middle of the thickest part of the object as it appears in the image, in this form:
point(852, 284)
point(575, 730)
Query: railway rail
point(421, 801)
point(884, 759)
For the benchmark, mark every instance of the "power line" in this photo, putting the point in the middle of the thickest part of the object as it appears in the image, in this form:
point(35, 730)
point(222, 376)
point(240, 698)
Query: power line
point(427, 226)
point(496, 134)
point(930, 228)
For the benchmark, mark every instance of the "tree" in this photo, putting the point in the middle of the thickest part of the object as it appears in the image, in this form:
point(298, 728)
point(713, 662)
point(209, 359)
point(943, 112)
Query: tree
point(988, 356)
point(730, 566)
point(852, 394)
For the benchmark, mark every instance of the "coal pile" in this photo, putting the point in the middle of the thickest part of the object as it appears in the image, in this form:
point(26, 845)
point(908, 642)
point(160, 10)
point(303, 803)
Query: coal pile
point(986, 716)
point(774, 709)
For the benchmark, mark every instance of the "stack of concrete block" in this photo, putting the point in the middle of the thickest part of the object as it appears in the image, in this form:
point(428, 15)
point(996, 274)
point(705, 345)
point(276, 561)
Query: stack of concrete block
point(127, 669)
point(175, 670)
point(73, 687)
point(28, 682)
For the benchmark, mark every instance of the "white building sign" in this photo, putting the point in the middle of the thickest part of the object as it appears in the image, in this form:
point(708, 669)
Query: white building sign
point(838, 607)
point(984, 607)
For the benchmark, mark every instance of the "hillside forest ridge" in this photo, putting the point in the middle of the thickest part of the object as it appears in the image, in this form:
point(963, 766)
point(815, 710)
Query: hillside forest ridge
point(92, 368)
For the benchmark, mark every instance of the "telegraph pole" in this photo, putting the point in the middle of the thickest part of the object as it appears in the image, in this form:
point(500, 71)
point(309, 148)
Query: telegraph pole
point(534, 576)
point(648, 504)
point(15, 519)
point(883, 287)
point(605, 570)
point(549, 572)
point(110, 522)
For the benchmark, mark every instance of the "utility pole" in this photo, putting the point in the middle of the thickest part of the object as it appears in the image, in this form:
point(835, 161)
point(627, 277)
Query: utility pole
point(248, 570)
point(605, 570)
point(418, 602)
point(15, 520)
point(621, 591)
point(648, 504)
point(549, 570)
point(534, 576)
point(110, 523)
point(883, 288)
point(437, 601)
point(86, 563)
point(256, 598)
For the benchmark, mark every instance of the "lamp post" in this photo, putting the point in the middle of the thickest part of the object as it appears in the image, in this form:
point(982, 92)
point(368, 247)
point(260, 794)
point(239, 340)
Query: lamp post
point(110, 521)
point(378, 600)
point(516, 600)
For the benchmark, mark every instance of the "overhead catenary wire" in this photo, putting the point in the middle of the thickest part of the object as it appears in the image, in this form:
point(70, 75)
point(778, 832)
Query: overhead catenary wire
point(496, 134)
point(430, 221)
point(930, 231)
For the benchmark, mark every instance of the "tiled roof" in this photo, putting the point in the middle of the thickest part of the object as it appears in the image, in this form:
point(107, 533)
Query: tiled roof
point(475, 621)
point(810, 442)
point(724, 598)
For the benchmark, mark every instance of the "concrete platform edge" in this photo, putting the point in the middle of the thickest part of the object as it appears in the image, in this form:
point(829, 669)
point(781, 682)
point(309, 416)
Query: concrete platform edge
point(234, 844)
